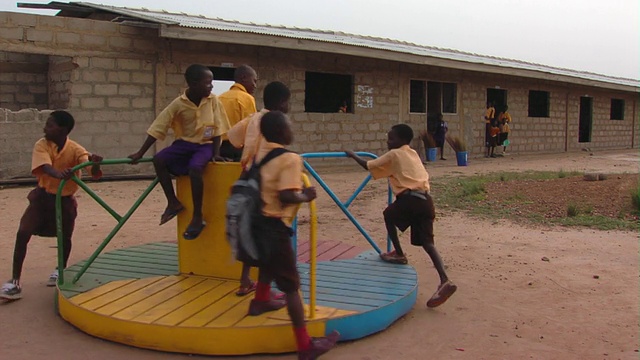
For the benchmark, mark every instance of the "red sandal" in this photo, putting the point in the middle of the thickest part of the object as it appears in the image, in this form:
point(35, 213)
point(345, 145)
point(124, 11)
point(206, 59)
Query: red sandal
point(246, 290)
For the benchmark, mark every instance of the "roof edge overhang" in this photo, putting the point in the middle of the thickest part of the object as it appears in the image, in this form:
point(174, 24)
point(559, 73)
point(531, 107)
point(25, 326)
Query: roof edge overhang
point(171, 31)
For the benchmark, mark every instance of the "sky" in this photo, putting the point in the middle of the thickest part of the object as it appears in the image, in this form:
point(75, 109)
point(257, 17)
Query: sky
point(600, 36)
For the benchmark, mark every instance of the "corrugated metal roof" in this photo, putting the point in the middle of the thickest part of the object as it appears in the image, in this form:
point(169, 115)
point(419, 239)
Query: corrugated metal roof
point(201, 22)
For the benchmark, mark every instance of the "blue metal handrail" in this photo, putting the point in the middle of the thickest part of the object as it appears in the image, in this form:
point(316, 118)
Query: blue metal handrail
point(343, 206)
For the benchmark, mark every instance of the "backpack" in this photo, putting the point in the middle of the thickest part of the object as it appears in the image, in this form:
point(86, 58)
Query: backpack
point(244, 213)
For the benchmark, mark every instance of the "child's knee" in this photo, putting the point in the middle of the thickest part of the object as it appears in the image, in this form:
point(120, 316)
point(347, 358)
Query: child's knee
point(159, 161)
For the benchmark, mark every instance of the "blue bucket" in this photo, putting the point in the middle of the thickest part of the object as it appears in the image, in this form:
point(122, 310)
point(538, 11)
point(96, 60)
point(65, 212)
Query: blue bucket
point(461, 157)
point(432, 154)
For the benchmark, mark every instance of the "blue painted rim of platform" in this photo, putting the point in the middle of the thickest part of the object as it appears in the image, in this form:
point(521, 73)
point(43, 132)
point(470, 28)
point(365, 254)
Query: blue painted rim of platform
point(390, 291)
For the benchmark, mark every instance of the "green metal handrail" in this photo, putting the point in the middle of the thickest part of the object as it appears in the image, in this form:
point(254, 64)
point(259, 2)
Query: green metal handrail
point(121, 219)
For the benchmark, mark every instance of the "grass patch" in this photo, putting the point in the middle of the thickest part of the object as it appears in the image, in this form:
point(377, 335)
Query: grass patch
point(597, 222)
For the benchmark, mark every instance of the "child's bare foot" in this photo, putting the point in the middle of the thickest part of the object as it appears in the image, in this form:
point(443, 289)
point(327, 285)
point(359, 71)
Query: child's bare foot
point(443, 293)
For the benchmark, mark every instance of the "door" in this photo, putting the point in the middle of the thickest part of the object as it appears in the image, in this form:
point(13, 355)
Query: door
point(499, 99)
point(586, 119)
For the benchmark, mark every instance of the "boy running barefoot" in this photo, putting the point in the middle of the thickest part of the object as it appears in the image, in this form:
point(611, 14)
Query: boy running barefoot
point(53, 158)
point(413, 206)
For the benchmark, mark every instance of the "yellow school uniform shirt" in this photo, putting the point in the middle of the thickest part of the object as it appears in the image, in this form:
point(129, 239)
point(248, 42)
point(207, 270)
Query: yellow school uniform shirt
point(507, 117)
point(46, 152)
point(195, 124)
point(246, 135)
point(404, 169)
point(489, 114)
point(283, 172)
point(238, 104)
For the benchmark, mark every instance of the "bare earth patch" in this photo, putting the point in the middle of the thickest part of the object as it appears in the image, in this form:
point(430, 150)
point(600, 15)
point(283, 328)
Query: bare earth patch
point(551, 198)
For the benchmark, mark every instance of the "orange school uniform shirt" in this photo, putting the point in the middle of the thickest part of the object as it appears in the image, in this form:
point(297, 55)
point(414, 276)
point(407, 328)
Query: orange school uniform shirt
point(195, 124)
point(283, 172)
point(404, 169)
point(489, 114)
point(246, 135)
point(46, 152)
point(238, 104)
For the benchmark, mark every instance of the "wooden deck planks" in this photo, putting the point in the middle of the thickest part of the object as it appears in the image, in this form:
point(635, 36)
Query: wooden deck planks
point(201, 304)
point(138, 295)
point(170, 305)
point(345, 286)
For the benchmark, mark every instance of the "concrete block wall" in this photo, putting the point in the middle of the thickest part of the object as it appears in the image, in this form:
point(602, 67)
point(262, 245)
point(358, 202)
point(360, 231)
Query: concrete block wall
point(102, 72)
point(19, 130)
point(23, 82)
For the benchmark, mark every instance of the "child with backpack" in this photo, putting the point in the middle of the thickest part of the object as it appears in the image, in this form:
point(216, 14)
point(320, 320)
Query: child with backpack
point(413, 206)
point(246, 135)
point(281, 193)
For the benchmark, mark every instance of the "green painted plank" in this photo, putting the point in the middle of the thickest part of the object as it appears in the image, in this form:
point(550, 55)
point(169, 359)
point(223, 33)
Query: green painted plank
point(329, 273)
point(142, 259)
point(353, 295)
point(377, 265)
point(137, 265)
point(366, 269)
point(351, 301)
point(356, 273)
point(368, 288)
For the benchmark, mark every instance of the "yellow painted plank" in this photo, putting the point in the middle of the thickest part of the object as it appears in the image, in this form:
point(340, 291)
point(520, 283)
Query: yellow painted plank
point(322, 312)
point(235, 311)
point(176, 302)
point(254, 321)
point(138, 295)
point(118, 293)
point(207, 307)
point(104, 289)
point(150, 302)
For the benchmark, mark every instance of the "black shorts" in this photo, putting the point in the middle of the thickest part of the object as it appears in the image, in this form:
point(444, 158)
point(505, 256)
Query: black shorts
point(281, 262)
point(42, 208)
point(417, 213)
point(229, 151)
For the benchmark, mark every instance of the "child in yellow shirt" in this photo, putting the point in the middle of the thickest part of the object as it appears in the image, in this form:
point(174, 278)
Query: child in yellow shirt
point(413, 206)
point(198, 119)
point(52, 160)
point(282, 192)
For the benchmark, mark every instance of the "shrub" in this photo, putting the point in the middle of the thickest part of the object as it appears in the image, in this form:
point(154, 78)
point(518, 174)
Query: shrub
point(572, 210)
point(635, 198)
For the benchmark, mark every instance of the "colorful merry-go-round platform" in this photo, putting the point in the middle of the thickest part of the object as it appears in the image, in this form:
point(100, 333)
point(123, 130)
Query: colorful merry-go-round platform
point(180, 297)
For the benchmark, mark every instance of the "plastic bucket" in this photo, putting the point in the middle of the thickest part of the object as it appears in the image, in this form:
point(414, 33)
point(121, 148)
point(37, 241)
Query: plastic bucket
point(432, 154)
point(461, 157)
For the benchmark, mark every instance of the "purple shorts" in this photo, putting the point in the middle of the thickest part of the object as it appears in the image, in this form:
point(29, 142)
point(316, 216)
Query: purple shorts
point(183, 155)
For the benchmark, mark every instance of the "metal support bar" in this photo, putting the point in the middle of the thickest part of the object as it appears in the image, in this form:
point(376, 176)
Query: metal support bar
point(121, 220)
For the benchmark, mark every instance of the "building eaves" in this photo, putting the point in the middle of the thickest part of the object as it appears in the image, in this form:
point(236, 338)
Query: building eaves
point(204, 23)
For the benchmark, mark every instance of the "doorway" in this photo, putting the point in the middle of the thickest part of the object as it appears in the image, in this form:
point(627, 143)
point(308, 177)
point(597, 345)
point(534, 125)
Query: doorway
point(499, 99)
point(586, 119)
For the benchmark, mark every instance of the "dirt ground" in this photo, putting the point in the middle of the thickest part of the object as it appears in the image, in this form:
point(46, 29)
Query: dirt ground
point(583, 303)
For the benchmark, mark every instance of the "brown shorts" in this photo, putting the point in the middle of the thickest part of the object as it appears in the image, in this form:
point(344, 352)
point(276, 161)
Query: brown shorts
point(417, 213)
point(42, 209)
point(281, 264)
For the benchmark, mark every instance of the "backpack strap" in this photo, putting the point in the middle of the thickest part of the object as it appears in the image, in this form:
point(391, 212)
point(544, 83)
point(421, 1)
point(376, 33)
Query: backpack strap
point(271, 155)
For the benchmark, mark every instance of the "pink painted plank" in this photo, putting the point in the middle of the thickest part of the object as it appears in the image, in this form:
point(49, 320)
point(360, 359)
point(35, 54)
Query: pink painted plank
point(322, 247)
point(335, 252)
point(353, 252)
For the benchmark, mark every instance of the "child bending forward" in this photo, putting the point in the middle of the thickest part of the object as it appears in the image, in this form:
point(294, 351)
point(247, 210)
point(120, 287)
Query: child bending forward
point(413, 206)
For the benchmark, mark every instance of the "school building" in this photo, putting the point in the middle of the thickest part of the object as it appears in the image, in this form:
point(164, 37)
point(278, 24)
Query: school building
point(115, 68)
